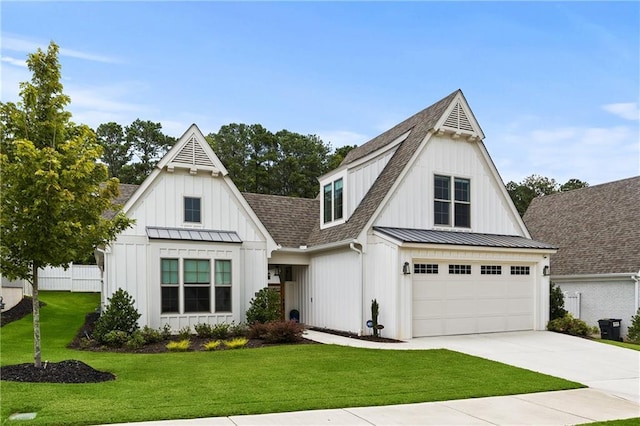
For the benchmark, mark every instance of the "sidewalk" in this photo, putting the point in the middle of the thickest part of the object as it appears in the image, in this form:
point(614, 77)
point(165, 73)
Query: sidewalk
point(611, 373)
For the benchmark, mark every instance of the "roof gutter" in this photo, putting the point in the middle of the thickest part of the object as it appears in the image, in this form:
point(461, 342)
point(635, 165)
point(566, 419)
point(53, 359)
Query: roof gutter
point(322, 247)
point(602, 277)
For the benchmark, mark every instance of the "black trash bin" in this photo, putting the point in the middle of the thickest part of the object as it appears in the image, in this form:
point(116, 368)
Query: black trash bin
point(610, 328)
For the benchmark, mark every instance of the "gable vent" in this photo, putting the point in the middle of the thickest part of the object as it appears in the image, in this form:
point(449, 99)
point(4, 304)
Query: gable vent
point(193, 154)
point(458, 119)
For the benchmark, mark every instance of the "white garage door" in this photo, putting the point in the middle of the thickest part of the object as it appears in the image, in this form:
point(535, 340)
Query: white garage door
point(458, 299)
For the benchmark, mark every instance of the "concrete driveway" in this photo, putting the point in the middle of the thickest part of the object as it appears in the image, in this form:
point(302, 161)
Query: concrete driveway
point(608, 368)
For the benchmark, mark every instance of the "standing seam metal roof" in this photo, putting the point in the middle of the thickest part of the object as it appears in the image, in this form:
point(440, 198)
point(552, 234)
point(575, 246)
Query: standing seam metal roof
point(430, 236)
point(189, 234)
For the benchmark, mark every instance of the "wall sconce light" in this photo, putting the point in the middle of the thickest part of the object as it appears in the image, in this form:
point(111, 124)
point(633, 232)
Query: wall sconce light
point(406, 268)
point(545, 270)
point(1, 303)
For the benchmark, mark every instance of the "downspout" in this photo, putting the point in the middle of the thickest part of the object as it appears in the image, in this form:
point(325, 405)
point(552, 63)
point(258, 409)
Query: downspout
point(353, 247)
point(636, 279)
point(100, 254)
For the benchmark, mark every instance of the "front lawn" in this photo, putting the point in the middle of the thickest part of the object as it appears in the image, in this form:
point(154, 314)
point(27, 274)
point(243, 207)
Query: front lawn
point(246, 381)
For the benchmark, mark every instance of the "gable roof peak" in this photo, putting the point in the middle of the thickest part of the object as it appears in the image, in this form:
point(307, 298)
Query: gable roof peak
point(194, 153)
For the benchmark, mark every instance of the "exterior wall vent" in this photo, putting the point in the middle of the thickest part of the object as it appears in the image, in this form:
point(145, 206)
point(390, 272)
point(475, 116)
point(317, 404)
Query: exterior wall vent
point(458, 119)
point(193, 154)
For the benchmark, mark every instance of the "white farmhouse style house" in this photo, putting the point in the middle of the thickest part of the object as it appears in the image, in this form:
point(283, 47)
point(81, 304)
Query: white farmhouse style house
point(417, 218)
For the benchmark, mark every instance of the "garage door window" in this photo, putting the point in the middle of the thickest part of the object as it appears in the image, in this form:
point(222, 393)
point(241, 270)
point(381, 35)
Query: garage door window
point(460, 269)
point(491, 270)
point(425, 268)
point(519, 270)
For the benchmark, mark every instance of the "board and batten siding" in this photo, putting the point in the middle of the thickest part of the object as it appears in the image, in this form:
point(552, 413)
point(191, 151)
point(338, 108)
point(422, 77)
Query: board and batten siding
point(411, 206)
point(331, 291)
point(361, 178)
point(162, 205)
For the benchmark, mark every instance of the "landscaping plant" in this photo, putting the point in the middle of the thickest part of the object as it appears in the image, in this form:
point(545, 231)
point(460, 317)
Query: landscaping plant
point(120, 315)
point(374, 317)
point(236, 343)
point(633, 334)
point(556, 302)
point(570, 325)
point(264, 307)
point(179, 346)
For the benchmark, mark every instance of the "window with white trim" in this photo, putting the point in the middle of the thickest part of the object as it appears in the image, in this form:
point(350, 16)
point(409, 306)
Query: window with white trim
point(192, 209)
point(169, 286)
point(452, 201)
point(332, 201)
point(223, 286)
point(197, 285)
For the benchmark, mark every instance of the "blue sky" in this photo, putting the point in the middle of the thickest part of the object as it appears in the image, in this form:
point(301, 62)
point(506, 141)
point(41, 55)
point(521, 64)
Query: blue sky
point(555, 86)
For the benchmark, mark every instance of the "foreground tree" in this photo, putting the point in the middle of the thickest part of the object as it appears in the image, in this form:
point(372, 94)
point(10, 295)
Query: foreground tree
point(53, 190)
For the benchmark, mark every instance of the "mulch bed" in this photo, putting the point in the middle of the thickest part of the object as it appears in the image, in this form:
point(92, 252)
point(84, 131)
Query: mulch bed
point(19, 311)
point(69, 371)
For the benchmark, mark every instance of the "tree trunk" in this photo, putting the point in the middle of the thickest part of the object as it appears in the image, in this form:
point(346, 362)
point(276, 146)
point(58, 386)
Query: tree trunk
point(37, 357)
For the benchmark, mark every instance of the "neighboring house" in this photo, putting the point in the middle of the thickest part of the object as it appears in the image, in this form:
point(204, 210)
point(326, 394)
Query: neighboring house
point(597, 232)
point(417, 218)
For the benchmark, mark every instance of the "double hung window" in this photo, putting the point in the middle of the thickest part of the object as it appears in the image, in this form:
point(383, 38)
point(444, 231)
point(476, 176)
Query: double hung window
point(452, 201)
point(332, 201)
point(192, 209)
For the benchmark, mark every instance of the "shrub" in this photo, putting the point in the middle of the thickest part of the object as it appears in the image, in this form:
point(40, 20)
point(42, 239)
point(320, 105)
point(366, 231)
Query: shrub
point(238, 330)
point(203, 330)
point(119, 315)
point(166, 332)
point(221, 331)
point(257, 330)
point(375, 309)
point(184, 333)
point(210, 346)
point(150, 335)
point(569, 325)
point(180, 346)
point(264, 307)
point(115, 338)
point(556, 302)
point(136, 340)
point(237, 343)
point(283, 332)
point(633, 334)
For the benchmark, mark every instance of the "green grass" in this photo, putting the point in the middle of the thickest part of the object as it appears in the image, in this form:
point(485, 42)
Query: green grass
point(625, 422)
point(621, 344)
point(223, 383)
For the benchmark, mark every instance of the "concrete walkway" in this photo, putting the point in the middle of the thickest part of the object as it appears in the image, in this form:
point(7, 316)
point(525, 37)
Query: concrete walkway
point(610, 372)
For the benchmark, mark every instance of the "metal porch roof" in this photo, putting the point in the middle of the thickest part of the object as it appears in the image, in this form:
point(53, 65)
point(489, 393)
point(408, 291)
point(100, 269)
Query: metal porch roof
point(429, 236)
point(207, 235)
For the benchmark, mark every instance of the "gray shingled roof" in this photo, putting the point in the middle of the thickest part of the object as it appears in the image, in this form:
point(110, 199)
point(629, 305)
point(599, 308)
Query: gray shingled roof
point(289, 220)
point(126, 192)
point(429, 236)
point(419, 124)
point(596, 229)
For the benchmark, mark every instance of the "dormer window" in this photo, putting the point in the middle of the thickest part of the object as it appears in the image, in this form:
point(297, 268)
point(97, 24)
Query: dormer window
point(192, 209)
point(332, 204)
point(452, 201)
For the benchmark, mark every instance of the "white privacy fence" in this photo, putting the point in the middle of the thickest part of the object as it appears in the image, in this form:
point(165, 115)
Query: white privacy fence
point(77, 278)
point(572, 303)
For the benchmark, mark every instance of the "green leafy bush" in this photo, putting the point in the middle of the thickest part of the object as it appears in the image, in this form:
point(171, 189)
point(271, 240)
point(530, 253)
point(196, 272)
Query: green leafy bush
point(264, 307)
point(136, 340)
point(569, 325)
point(166, 332)
point(633, 334)
point(115, 338)
point(151, 335)
point(119, 315)
point(236, 343)
point(238, 330)
point(184, 332)
point(203, 330)
point(180, 346)
point(556, 302)
point(221, 331)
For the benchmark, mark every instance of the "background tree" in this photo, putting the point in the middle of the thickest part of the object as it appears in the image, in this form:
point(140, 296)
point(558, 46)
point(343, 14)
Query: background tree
point(535, 186)
point(301, 160)
point(338, 155)
point(116, 149)
point(148, 144)
point(53, 189)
